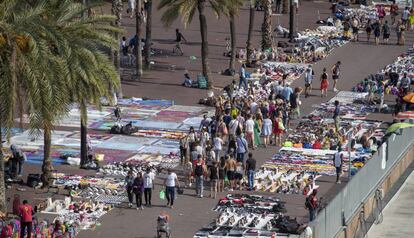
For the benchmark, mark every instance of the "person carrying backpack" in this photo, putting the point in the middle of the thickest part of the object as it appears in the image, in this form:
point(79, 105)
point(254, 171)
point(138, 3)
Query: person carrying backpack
point(199, 171)
point(311, 204)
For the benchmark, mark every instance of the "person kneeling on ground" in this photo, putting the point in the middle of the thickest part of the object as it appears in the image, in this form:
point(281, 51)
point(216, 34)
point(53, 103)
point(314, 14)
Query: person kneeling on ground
point(188, 82)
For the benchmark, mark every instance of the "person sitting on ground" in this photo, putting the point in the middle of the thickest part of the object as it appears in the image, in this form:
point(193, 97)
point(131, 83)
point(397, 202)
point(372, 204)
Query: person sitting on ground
point(188, 82)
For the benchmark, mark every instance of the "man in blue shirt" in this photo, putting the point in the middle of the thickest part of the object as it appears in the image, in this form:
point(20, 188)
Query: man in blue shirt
point(286, 92)
point(243, 80)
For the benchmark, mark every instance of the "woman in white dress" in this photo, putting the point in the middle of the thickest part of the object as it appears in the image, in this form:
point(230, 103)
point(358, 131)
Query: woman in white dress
point(266, 130)
point(131, 7)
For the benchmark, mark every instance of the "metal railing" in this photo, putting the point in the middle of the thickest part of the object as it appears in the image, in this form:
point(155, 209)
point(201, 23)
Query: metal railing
point(329, 221)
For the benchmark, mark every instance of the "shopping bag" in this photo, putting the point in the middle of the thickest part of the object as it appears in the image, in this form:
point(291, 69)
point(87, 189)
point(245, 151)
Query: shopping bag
point(226, 180)
point(162, 194)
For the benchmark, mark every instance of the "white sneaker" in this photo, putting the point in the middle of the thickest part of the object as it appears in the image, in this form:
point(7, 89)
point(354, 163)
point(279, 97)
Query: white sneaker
point(335, 90)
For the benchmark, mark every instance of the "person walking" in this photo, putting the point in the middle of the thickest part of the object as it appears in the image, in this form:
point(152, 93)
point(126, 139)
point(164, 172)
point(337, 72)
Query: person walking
point(214, 176)
point(18, 159)
point(131, 8)
point(26, 219)
point(337, 112)
point(249, 127)
point(138, 187)
point(324, 83)
point(199, 171)
point(400, 29)
point(250, 168)
point(231, 169)
point(376, 27)
point(218, 145)
point(404, 17)
point(278, 129)
point(385, 32)
point(242, 148)
point(308, 80)
point(393, 11)
point(129, 181)
point(222, 173)
point(183, 149)
point(242, 78)
point(266, 130)
point(336, 71)
point(338, 162)
point(178, 39)
point(312, 205)
point(170, 183)
point(295, 103)
point(405, 83)
point(149, 177)
point(368, 30)
point(355, 29)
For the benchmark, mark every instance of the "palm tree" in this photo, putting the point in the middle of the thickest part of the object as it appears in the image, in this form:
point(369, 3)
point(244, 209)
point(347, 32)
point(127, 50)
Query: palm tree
point(31, 68)
point(138, 44)
point(252, 11)
point(232, 9)
point(117, 7)
point(90, 74)
point(267, 38)
point(186, 9)
point(148, 31)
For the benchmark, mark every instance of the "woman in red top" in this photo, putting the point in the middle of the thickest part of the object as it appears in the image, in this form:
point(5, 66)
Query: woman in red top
point(317, 145)
point(278, 129)
point(324, 83)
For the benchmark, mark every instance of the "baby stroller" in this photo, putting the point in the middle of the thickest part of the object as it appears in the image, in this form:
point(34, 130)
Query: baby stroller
point(163, 226)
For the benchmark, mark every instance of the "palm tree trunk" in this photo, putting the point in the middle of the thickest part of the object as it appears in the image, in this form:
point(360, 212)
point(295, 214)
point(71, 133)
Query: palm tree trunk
point(138, 18)
point(267, 26)
point(84, 142)
point(232, 65)
point(204, 41)
point(117, 7)
point(3, 207)
point(47, 162)
point(250, 32)
point(148, 31)
point(285, 6)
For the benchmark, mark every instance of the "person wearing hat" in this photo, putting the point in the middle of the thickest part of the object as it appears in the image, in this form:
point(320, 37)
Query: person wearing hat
point(338, 162)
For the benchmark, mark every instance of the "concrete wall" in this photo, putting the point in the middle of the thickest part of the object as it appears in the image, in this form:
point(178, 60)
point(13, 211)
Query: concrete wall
point(354, 224)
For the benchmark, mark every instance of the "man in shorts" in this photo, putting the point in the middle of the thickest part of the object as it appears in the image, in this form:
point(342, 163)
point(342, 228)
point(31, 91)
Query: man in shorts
point(336, 71)
point(231, 169)
point(178, 38)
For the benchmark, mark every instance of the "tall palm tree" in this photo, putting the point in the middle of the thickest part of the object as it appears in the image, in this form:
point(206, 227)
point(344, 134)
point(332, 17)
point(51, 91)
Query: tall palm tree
point(31, 68)
point(186, 9)
point(90, 74)
point(232, 9)
point(267, 38)
point(138, 45)
point(117, 7)
point(148, 31)
point(252, 11)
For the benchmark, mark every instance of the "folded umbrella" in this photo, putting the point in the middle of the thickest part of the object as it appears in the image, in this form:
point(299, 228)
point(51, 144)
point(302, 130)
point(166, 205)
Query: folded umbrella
point(397, 126)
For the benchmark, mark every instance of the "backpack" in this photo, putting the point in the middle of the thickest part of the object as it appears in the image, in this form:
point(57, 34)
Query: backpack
point(198, 170)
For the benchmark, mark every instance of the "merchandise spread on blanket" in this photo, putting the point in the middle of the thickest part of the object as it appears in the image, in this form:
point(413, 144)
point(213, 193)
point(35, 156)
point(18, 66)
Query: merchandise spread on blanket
point(243, 215)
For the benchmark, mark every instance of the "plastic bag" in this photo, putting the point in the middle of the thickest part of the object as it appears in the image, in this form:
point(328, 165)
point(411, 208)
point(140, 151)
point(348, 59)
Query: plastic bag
point(162, 194)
